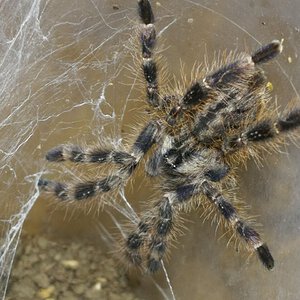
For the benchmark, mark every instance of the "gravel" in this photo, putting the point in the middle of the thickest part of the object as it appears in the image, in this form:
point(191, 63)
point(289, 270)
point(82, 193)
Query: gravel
point(52, 271)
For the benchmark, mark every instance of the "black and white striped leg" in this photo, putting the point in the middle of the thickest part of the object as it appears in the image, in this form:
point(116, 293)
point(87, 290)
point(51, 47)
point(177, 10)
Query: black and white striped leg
point(221, 80)
point(229, 111)
point(232, 77)
point(97, 155)
point(84, 190)
point(156, 229)
point(264, 131)
point(248, 234)
point(224, 79)
point(235, 71)
point(151, 239)
point(89, 189)
point(148, 40)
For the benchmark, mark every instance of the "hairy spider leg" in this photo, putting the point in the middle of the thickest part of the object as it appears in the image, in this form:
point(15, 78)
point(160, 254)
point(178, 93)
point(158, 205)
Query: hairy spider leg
point(263, 131)
point(226, 77)
point(225, 112)
point(154, 232)
point(96, 155)
point(223, 80)
point(157, 227)
point(148, 40)
point(248, 234)
point(89, 189)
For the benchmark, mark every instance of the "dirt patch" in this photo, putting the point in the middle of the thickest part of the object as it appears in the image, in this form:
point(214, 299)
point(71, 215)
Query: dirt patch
point(48, 270)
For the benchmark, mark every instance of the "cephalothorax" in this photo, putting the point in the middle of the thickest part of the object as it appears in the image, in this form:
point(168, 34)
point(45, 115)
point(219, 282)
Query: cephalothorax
point(193, 140)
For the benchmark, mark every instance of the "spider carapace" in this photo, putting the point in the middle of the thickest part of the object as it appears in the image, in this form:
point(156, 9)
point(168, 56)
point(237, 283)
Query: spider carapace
point(193, 142)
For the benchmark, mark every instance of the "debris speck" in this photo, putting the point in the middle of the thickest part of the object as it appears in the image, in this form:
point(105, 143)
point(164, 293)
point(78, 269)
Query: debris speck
point(190, 20)
point(270, 86)
point(70, 264)
point(290, 60)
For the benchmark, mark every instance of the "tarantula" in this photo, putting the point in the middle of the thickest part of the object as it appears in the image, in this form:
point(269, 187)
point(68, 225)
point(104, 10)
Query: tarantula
point(193, 140)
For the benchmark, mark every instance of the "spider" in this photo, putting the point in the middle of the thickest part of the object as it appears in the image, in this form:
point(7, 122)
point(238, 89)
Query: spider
point(194, 139)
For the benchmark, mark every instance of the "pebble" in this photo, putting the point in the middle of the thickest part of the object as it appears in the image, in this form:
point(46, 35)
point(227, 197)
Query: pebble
point(42, 243)
point(79, 289)
point(41, 280)
point(46, 293)
point(97, 286)
point(70, 264)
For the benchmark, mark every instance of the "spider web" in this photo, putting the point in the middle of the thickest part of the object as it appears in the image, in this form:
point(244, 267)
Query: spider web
point(64, 79)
